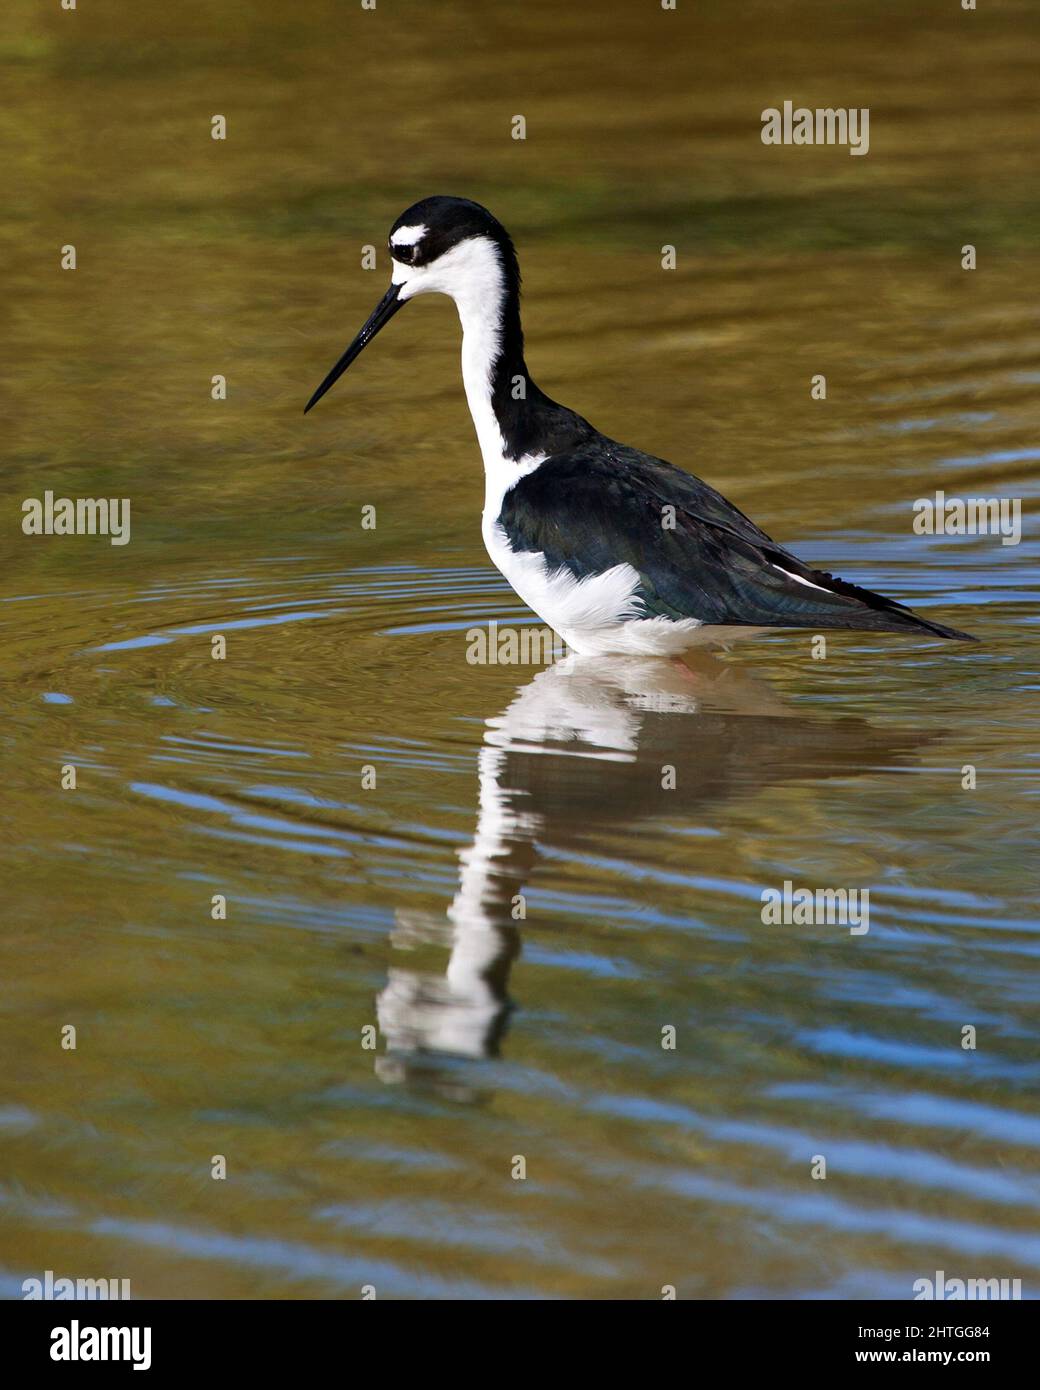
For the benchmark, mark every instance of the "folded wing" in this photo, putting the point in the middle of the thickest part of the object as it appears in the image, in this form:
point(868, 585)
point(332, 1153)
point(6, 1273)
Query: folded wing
point(696, 555)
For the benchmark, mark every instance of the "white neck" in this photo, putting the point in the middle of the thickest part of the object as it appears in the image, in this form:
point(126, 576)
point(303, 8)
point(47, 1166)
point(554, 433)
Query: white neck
point(473, 275)
point(481, 318)
point(480, 313)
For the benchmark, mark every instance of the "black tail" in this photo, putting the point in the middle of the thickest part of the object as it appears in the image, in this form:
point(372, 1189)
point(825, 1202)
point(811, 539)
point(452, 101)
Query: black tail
point(876, 613)
point(913, 622)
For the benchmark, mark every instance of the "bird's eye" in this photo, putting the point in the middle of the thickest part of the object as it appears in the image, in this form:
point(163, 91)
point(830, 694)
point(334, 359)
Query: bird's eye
point(405, 254)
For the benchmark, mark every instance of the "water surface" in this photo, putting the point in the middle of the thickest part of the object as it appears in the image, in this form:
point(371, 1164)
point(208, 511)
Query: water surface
point(393, 907)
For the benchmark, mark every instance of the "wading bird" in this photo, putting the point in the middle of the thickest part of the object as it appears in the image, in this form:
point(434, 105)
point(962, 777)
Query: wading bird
point(616, 550)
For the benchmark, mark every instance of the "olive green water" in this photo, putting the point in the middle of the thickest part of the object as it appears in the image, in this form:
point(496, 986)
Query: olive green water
point(392, 907)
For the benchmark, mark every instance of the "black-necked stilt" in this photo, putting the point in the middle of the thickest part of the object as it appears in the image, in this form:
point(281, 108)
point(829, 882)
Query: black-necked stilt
point(616, 550)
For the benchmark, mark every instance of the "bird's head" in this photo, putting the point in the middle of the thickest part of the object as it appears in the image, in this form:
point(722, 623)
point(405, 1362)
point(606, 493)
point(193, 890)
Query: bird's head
point(440, 245)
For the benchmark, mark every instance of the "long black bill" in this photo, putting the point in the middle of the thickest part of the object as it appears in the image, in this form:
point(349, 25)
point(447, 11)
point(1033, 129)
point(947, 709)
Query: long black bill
point(382, 314)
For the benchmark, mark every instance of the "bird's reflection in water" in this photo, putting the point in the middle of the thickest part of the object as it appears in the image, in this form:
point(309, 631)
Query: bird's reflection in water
point(582, 747)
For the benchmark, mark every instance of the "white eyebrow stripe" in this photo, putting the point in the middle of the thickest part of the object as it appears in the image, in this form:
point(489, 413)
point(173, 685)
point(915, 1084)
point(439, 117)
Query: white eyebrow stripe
point(408, 236)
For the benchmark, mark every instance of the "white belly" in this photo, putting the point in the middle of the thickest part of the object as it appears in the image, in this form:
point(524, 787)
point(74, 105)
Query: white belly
point(594, 615)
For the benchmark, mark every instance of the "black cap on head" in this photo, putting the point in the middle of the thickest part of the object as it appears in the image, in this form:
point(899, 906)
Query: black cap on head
point(447, 221)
